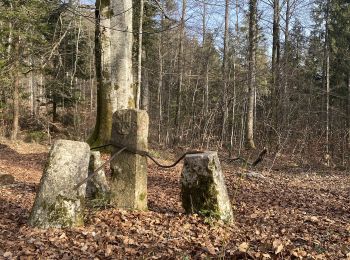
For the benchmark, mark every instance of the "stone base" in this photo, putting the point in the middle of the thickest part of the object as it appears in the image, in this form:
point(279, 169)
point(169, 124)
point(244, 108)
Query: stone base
point(203, 189)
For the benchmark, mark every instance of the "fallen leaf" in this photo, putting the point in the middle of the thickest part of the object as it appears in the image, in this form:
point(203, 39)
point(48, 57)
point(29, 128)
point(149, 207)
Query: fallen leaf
point(243, 247)
point(7, 254)
point(277, 245)
point(314, 219)
point(279, 249)
point(210, 248)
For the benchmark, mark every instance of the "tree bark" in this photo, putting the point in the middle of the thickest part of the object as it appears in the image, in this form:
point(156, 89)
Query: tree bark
point(113, 62)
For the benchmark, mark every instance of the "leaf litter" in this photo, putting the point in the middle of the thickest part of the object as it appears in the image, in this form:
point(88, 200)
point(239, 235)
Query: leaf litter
point(284, 216)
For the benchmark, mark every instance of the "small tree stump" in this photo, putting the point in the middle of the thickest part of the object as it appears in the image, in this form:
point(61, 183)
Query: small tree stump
point(58, 204)
point(203, 188)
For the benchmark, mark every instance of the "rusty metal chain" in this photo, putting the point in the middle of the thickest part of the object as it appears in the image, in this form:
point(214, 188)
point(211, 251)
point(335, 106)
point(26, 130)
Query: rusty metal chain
point(134, 151)
point(146, 154)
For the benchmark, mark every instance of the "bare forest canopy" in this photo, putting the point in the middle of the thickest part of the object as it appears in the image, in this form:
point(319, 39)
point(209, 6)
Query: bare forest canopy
point(214, 74)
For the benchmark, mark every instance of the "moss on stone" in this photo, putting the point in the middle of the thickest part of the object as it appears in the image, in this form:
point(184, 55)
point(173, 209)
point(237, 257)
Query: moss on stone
point(100, 200)
point(105, 3)
point(59, 214)
point(201, 197)
point(131, 102)
point(142, 196)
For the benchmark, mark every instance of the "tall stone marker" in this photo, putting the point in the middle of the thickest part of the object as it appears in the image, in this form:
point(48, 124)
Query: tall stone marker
point(129, 170)
point(203, 188)
point(58, 204)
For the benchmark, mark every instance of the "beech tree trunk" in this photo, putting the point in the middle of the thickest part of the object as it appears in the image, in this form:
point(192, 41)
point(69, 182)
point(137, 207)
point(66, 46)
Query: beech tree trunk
point(113, 62)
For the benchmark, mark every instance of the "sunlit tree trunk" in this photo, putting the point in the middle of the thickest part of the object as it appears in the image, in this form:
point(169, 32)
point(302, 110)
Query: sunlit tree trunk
point(113, 62)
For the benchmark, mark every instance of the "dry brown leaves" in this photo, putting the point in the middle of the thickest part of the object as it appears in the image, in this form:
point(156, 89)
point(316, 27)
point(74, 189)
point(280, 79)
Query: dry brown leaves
point(285, 216)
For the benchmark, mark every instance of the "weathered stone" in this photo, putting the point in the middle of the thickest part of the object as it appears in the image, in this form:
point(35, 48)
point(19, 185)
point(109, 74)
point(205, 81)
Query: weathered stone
point(58, 204)
point(6, 179)
point(203, 188)
point(129, 170)
point(97, 186)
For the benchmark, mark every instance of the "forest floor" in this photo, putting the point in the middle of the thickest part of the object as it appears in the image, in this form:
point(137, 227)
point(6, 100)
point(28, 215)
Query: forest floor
point(295, 212)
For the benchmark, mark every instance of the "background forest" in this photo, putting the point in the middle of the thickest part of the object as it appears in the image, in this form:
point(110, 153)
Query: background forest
point(216, 74)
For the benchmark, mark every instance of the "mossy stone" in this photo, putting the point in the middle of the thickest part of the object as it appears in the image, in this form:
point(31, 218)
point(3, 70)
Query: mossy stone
point(58, 203)
point(203, 189)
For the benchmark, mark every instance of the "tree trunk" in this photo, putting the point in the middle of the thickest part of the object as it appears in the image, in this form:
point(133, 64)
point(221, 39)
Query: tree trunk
point(160, 85)
point(180, 64)
point(15, 86)
point(113, 62)
point(206, 62)
point(225, 72)
point(234, 85)
point(348, 115)
point(275, 62)
point(286, 66)
point(139, 57)
point(326, 73)
point(15, 96)
point(145, 91)
point(252, 73)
